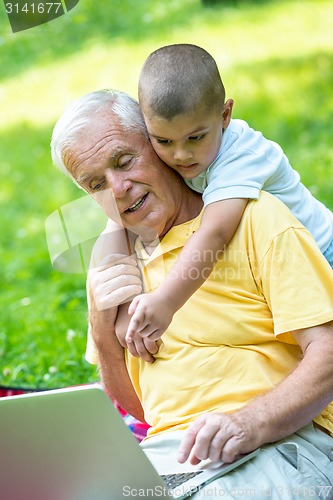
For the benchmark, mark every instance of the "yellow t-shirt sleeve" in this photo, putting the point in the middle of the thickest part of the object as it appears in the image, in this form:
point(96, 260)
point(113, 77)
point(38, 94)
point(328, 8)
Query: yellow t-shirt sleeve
point(297, 283)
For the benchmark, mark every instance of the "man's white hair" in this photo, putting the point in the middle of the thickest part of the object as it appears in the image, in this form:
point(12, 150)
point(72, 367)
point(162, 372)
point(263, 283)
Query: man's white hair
point(81, 114)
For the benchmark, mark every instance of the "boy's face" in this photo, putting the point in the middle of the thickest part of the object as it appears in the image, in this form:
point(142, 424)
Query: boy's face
point(189, 143)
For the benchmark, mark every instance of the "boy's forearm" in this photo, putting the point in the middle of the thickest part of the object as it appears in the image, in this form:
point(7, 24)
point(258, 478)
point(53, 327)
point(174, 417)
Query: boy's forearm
point(201, 252)
point(192, 267)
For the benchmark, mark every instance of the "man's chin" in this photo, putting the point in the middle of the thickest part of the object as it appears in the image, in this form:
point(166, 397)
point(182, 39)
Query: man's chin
point(145, 233)
point(106, 201)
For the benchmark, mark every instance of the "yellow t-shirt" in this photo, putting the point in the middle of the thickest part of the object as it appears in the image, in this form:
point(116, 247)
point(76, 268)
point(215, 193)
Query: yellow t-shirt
point(231, 341)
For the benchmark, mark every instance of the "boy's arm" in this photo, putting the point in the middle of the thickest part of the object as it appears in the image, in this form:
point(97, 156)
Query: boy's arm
point(152, 313)
point(201, 252)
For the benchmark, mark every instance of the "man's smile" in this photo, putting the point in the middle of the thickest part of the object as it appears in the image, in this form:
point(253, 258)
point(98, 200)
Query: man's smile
point(138, 204)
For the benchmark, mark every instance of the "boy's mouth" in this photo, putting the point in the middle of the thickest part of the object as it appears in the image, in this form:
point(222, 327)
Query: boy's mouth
point(191, 165)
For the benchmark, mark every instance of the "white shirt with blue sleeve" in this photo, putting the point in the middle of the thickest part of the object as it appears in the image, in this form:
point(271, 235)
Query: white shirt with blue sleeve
point(248, 162)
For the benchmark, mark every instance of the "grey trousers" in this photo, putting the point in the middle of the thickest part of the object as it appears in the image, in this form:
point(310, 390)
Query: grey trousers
point(298, 467)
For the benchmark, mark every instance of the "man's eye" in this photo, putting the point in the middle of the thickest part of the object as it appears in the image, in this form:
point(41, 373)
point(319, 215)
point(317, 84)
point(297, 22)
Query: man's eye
point(96, 186)
point(195, 138)
point(124, 161)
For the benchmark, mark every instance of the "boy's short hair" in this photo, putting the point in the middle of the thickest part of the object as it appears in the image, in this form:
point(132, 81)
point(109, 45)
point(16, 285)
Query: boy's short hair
point(176, 79)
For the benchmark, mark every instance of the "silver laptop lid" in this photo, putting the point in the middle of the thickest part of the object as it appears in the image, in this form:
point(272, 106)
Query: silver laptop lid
point(70, 444)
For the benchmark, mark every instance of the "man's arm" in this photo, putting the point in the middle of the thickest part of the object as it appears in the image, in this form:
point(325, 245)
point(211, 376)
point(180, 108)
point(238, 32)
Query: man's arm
point(299, 398)
point(112, 367)
point(107, 286)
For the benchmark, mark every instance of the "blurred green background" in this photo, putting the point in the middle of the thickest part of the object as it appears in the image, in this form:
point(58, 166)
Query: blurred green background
point(276, 60)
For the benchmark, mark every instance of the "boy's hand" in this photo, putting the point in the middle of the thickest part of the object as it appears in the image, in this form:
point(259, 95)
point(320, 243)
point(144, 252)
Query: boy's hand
point(150, 317)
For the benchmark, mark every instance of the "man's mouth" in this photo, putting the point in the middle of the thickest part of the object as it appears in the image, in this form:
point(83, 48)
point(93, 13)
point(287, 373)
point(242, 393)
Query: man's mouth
point(137, 204)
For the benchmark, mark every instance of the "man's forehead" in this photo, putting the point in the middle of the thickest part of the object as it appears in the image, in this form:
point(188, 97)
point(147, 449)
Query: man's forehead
point(100, 136)
point(103, 141)
point(94, 161)
point(104, 129)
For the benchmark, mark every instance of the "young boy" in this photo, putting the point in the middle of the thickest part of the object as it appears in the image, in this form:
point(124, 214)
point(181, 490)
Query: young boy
point(189, 123)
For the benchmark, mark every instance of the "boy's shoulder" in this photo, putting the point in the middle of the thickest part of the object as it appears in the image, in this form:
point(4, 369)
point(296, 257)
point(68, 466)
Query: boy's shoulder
point(240, 138)
point(239, 126)
point(238, 131)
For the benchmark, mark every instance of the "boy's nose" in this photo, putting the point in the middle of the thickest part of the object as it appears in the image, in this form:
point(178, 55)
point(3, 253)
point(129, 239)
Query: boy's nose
point(182, 155)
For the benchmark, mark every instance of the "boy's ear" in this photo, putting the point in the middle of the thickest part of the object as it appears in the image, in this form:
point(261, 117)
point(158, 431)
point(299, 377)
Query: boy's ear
point(227, 112)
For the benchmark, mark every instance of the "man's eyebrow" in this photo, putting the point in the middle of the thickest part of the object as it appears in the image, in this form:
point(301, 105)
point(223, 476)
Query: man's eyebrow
point(81, 179)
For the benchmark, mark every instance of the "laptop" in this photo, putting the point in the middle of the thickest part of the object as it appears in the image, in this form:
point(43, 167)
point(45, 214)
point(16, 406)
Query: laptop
point(72, 444)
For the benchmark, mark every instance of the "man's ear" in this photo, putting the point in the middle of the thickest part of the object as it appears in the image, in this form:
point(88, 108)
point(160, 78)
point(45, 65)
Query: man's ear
point(227, 112)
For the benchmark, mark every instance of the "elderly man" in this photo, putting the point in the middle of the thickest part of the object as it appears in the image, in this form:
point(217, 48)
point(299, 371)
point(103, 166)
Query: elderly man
point(247, 361)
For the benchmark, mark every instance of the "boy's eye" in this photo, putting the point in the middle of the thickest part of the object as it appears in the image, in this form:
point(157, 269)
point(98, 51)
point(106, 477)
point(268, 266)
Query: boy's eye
point(163, 141)
point(195, 138)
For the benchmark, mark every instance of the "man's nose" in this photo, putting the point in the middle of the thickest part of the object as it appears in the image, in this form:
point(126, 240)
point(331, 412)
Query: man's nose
point(182, 154)
point(118, 182)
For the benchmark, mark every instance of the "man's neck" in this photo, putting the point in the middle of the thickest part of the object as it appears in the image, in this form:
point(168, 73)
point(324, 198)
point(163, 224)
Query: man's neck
point(190, 205)
point(150, 247)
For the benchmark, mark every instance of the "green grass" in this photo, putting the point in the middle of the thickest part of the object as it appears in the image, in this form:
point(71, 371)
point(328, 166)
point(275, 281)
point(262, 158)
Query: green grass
point(276, 61)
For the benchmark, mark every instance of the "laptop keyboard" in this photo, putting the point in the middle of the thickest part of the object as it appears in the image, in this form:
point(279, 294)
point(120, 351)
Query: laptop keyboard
point(174, 480)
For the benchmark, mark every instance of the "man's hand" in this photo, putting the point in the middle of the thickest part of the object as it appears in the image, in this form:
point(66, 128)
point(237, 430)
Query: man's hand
point(274, 415)
point(116, 280)
point(217, 436)
point(150, 317)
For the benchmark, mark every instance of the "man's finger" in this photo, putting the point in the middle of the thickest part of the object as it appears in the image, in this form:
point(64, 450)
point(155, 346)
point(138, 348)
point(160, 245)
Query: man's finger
point(216, 445)
point(132, 349)
point(120, 270)
point(109, 285)
point(233, 448)
point(151, 346)
point(189, 438)
point(115, 258)
point(204, 438)
point(153, 334)
point(117, 297)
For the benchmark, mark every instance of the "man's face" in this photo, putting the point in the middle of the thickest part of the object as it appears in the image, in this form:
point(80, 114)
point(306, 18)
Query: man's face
point(122, 172)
